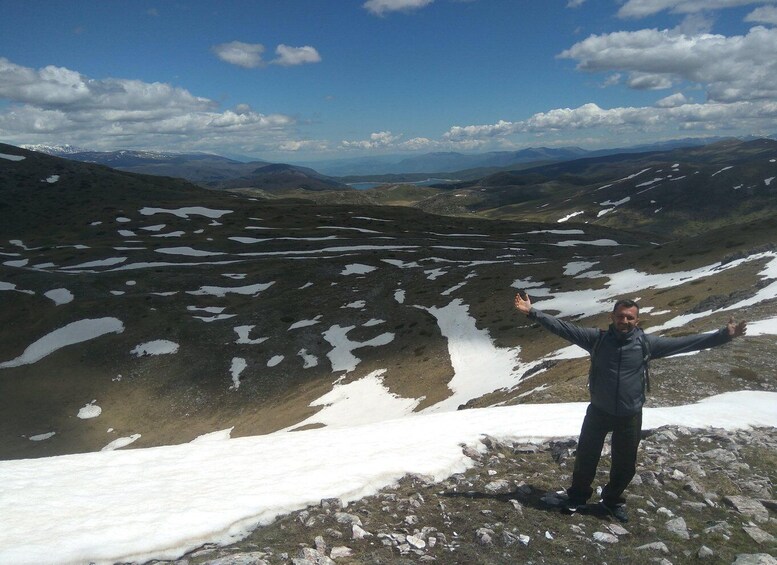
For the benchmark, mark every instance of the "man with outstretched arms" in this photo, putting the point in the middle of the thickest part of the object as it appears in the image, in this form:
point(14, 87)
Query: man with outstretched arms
point(617, 383)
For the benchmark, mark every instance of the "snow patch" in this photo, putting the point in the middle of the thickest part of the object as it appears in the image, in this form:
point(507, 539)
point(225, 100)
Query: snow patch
point(357, 269)
point(341, 355)
point(155, 347)
point(221, 292)
point(242, 336)
point(59, 296)
point(121, 442)
point(185, 212)
point(91, 410)
point(72, 333)
point(569, 217)
point(238, 366)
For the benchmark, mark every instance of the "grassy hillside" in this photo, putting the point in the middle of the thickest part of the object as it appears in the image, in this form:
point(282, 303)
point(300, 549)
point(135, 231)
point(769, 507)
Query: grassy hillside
point(273, 302)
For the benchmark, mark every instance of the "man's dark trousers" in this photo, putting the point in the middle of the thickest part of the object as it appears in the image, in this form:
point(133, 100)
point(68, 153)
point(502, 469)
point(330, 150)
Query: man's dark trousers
point(626, 434)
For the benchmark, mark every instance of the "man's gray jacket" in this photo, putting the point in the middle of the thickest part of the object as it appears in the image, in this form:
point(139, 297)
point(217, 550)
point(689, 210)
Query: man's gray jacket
point(617, 378)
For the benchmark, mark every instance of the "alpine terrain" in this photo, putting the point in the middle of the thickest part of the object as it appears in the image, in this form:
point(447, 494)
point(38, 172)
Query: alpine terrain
point(141, 311)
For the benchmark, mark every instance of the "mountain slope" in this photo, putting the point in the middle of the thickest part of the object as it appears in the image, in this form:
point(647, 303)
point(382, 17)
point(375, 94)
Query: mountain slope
point(195, 167)
point(160, 311)
point(678, 192)
point(435, 163)
point(41, 190)
point(281, 177)
point(210, 171)
point(446, 162)
point(672, 193)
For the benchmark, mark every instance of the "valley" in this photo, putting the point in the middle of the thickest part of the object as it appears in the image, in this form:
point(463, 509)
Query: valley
point(216, 309)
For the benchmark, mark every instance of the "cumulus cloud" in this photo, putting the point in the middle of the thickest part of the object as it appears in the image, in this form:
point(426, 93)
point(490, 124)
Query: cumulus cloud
point(649, 81)
point(586, 116)
point(290, 56)
point(763, 15)
point(672, 113)
point(419, 144)
point(55, 102)
point(731, 68)
point(695, 24)
point(304, 145)
point(386, 140)
point(380, 7)
point(246, 55)
point(249, 55)
point(377, 140)
point(612, 80)
point(672, 101)
point(499, 129)
point(644, 8)
point(66, 90)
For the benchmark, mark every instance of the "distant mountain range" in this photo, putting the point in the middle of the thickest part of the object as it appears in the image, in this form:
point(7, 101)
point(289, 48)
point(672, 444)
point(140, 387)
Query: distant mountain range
point(446, 162)
point(277, 177)
point(213, 170)
point(716, 183)
point(56, 150)
point(207, 170)
point(666, 193)
point(455, 162)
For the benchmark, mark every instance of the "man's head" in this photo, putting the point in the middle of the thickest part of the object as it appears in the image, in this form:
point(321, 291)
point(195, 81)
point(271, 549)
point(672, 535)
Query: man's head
point(625, 315)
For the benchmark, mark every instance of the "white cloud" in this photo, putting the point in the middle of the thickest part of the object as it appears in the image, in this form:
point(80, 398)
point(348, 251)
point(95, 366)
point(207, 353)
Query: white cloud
point(249, 55)
point(575, 3)
point(289, 56)
point(612, 80)
point(246, 55)
point(380, 7)
point(732, 68)
point(54, 102)
point(387, 140)
point(310, 145)
point(763, 15)
point(673, 101)
point(695, 24)
point(643, 8)
point(586, 116)
point(499, 129)
point(58, 88)
point(649, 81)
point(419, 143)
point(377, 140)
point(708, 116)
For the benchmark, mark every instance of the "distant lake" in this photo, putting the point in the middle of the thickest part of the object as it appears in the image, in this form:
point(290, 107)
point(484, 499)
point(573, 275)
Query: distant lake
point(427, 182)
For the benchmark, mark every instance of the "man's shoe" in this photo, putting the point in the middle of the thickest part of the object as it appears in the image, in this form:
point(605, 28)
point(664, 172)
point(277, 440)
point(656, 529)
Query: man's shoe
point(617, 511)
point(567, 508)
point(572, 506)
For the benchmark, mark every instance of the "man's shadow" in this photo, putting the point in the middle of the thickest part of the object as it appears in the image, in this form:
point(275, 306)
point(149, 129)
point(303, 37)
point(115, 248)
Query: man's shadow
point(528, 496)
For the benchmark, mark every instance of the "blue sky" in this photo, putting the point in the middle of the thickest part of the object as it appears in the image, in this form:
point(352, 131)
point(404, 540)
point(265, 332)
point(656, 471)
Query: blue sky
point(302, 80)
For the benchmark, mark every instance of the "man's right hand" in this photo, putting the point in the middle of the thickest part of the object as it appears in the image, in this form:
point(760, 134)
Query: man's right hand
point(736, 329)
point(523, 304)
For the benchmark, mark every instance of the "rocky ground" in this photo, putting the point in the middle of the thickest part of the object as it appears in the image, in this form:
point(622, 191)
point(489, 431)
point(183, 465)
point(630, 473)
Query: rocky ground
point(699, 496)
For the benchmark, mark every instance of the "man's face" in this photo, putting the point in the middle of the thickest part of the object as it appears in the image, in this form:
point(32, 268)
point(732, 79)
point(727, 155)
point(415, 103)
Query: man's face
point(625, 319)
